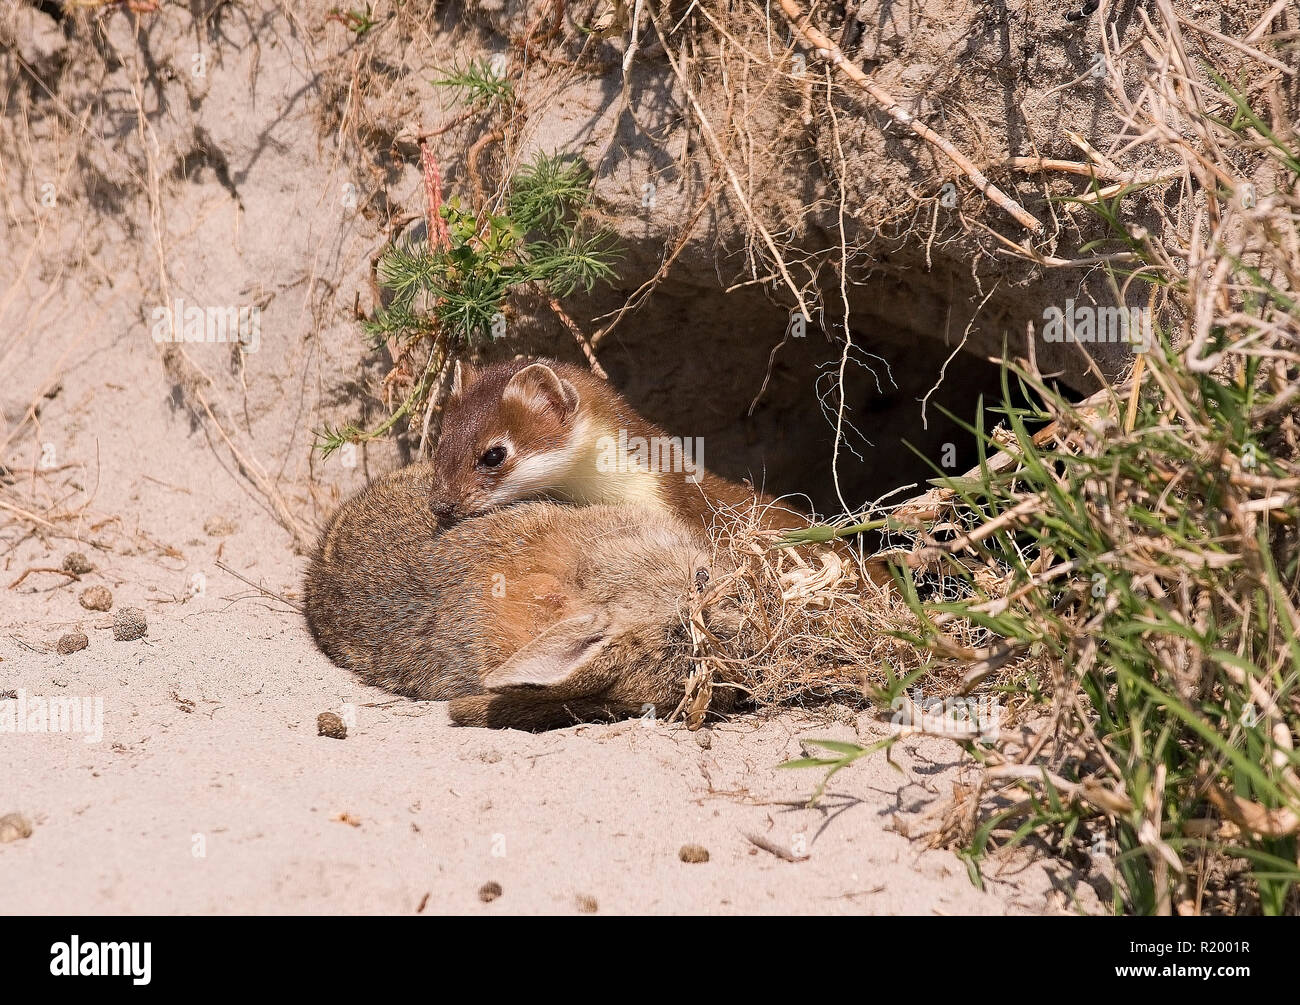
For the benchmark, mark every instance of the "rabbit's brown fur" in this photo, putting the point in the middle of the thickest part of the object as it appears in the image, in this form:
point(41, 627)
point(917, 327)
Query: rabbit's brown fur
point(532, 616)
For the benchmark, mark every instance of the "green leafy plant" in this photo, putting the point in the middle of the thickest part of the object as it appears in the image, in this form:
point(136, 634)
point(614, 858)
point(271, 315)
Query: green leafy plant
point(358, 22)
point(848, 753)
point(451, 294)
point(479, 82)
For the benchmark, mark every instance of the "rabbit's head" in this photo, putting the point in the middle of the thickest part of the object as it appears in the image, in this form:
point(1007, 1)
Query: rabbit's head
point(629, 656)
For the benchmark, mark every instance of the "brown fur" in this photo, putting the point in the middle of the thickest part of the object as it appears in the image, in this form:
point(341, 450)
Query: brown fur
point(538, 410)
point(533, 616)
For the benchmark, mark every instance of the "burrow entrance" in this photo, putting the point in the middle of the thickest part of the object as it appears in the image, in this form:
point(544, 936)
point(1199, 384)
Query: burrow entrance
point(731, 368)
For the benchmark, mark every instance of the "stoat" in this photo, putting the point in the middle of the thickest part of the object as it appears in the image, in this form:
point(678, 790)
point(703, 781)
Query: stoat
point(531, 428)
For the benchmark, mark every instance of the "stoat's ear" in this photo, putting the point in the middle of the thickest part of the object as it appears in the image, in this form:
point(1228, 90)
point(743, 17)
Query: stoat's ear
point(559, 659)
point(462, 375)
point(538, 386)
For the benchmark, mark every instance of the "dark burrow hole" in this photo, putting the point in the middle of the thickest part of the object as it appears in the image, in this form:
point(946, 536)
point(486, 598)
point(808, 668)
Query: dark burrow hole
point(710, 366)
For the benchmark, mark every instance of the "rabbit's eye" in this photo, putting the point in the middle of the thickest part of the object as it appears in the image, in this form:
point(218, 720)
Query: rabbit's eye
point(701, 579)
point(493, 457)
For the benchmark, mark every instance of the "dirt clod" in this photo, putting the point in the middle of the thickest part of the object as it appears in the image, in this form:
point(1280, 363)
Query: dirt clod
point(129, 624)
point(97, 598)
point(693, 853)
point(331, 725)
point(77, 563)
point(73, 642)
point(489, 891)
point(704, 738)
point(14, 827)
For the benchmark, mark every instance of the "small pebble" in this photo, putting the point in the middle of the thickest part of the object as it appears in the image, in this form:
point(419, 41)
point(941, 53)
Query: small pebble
point(693, 853)
point(219, 526)
point(129, 624)
point(587, 903)
point(73, 642)
point(331, 725)
point(78, 563)
point(704, 737)
point(96, 598)
point(489, 891)
point(14, 827)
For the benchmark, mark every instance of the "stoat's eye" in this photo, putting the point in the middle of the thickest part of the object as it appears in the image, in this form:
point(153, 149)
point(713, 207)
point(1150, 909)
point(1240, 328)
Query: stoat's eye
point(493, 457)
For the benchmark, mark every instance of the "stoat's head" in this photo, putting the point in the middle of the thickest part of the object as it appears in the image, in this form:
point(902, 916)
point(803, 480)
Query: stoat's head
point(508, 433)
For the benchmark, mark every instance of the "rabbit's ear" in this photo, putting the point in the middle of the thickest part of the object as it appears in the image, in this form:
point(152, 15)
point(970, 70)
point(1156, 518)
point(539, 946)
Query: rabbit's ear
point(559, 656)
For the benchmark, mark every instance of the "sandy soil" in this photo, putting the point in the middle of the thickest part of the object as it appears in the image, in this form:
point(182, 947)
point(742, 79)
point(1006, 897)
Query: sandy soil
point(211, 792)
